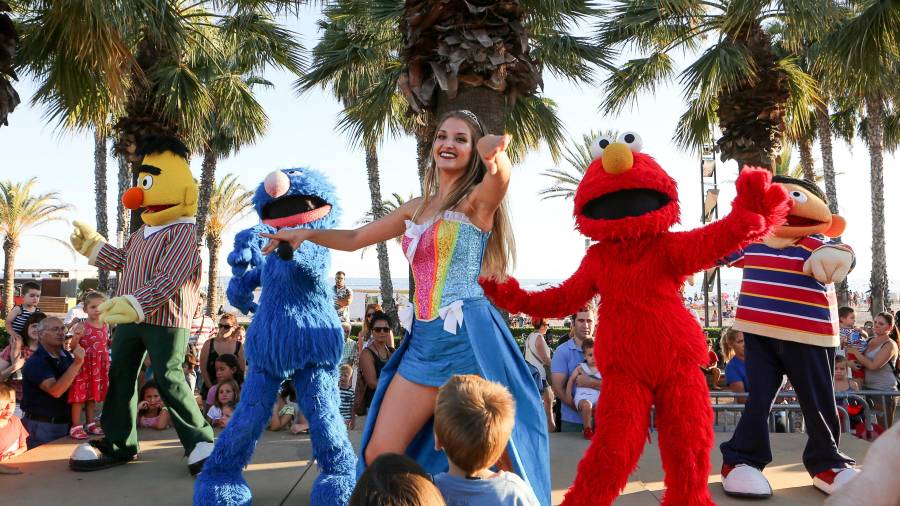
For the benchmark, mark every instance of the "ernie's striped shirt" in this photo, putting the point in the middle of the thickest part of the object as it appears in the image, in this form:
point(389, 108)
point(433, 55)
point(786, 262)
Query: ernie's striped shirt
point(779, 300)
point(159, 269)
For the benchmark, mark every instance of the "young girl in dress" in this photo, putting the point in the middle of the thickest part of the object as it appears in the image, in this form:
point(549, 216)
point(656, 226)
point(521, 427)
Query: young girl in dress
point(285, 408)
point(227, 392)
point(151, 411)
point(585, 397)
point(227, 369)
point(457, 231)
point(92, 382)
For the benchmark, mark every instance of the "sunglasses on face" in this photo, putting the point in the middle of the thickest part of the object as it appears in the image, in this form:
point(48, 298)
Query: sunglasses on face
point(381, 329)
point(369, 315)
point(224, 326)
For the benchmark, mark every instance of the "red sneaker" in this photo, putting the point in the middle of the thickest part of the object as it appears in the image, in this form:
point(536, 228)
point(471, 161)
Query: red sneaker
point(588, 433)
point(77, 432)
point(833, 479)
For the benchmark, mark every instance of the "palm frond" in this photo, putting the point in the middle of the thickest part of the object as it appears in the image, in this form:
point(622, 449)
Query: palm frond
point(229, 202)
point(577, 157)
point(694, 127)
point(637, 76)
point(533, 120)
point(22, 209)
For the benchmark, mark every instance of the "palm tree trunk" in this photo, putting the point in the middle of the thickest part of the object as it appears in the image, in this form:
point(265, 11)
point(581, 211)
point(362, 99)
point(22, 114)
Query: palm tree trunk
point(207, 183)
point(424, 141)
point(214, 243)
point(806, 159)
point(122, 217)
point(9, 273)
point(487, 104)
point(100, 199)
point(384, 267)
point(824, 129)
point(878, 277)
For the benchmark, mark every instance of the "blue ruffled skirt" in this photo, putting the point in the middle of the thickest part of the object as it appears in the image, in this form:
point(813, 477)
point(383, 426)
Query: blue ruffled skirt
point(429, 355)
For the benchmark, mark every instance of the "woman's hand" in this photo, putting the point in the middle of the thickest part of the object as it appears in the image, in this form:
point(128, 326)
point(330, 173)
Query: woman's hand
point(143, 405)
point(489, 147)
point(294, 237)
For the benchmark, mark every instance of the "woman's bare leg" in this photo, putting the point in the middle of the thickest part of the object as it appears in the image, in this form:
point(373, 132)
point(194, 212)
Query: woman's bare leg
point(405, 409)
point(547, 396)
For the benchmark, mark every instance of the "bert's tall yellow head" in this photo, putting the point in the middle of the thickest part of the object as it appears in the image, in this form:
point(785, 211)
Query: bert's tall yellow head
point(165, 187)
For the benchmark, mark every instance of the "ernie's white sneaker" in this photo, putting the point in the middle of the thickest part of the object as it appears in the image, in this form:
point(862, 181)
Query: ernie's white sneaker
point(745, 481)
point(833, 479)
point(198, 457)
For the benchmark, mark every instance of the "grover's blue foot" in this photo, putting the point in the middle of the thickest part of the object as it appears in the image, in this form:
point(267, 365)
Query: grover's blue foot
point(221, 489)
point(332, 489)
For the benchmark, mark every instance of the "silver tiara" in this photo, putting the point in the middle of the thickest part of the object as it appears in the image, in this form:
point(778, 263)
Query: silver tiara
point(471, 115)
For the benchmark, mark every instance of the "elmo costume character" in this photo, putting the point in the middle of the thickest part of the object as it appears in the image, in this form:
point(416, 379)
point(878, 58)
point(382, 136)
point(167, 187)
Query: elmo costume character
point(649, 347)
point(788, 313)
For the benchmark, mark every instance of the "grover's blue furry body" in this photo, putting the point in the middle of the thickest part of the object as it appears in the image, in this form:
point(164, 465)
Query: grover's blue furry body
point(296, 334)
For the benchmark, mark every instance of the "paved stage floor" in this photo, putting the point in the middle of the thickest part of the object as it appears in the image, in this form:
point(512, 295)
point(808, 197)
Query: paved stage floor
point(281, 473)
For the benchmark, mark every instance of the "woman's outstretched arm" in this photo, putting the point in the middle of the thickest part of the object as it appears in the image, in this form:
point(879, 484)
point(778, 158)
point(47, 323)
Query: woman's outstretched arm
point(380, 230)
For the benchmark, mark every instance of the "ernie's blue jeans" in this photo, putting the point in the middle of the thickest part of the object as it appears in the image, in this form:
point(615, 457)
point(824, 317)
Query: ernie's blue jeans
point(809, 369)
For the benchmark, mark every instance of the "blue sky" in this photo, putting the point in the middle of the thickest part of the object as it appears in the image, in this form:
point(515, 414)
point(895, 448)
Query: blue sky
point(301, 133)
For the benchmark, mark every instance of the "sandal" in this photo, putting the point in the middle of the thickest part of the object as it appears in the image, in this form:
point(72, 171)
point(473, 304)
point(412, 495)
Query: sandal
point(77, 432)
point(94, 429)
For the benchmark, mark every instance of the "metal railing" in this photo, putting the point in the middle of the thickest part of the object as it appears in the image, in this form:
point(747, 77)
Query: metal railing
point(865, 398)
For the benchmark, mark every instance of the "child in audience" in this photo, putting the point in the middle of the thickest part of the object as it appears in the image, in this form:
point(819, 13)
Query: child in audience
point(12, 433)
point(10, 364)
point(285, 408)
point(227, 368)
point(16, 325)
point(227, 392)
point(92, 382)
point(346, 389)
point(843, 383)
point(152, 413)
point(227, 412)
point(585, 398)
point(395, 480)
point(473, 419)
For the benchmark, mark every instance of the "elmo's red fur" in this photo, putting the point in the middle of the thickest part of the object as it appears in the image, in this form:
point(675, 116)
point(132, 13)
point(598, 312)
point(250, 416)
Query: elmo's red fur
point(648, 346)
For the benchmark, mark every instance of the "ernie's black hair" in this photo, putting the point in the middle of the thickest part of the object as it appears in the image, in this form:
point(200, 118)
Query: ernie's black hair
point(807, 185)
point(159, 143)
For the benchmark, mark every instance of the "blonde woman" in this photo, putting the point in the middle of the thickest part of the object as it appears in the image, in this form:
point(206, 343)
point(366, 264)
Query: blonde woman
point(459, 229)
point(732, 343)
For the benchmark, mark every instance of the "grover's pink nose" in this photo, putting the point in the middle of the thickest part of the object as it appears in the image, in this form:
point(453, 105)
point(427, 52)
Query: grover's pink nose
point(277, 184)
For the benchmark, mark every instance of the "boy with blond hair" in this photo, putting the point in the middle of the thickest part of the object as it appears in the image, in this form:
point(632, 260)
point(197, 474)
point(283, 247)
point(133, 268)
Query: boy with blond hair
point(473, 419)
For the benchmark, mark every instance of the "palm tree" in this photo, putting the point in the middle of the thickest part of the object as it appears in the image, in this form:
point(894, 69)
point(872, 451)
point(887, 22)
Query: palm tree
point(578, 157)
point(229, 202)
point(100, 198)
point(864, 54)
point(21, 210)
point(738, 82)
point(9, 99)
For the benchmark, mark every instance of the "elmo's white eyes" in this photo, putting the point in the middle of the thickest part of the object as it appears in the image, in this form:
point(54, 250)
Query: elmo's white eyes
point(599, 145)
point(632, 140)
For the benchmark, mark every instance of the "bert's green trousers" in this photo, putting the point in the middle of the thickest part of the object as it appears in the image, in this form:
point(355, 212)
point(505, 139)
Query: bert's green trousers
point(166, 347)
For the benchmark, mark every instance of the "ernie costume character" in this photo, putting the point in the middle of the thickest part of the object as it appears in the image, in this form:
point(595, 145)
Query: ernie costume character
point(788, 312)
point(158, 289)
point(627, 203)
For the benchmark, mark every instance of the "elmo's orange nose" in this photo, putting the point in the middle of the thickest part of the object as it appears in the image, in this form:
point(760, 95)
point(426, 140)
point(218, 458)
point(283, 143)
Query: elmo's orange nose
point(617, 158)
point(133, 198)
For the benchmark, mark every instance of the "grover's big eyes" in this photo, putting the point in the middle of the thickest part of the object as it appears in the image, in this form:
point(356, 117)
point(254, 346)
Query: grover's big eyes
point(146, 182)
point(799, 196)
point(633, 140)
point(294, 172)
point(599, 144)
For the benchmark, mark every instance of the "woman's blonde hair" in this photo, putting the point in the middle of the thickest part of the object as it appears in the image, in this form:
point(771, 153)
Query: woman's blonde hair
point(500, 254)
point(726, 342)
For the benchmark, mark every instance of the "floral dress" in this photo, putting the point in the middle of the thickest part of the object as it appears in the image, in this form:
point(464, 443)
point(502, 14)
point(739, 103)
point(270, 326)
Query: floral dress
point(92, 381)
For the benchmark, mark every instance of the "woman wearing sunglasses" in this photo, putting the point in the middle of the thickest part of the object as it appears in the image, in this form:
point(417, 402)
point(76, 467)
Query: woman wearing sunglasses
point(225, 342)
point(376, 353)
point(366, 332)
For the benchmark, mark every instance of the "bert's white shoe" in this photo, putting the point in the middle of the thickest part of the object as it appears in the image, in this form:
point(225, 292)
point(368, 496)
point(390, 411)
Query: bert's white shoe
point(833, 479)
point(745, 481)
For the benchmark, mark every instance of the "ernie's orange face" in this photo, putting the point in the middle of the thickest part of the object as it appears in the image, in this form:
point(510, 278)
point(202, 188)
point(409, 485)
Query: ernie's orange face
point(809, 215)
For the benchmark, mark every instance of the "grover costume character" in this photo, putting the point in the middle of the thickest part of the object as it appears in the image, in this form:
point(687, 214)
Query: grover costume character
point(788, 313)
point(295, 333)
point(627, 203)
point(158, 290)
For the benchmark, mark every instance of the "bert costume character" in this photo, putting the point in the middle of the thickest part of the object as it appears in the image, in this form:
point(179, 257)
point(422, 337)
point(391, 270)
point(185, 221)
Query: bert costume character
point(627, 203)
point(788, 313)
point(157, 293)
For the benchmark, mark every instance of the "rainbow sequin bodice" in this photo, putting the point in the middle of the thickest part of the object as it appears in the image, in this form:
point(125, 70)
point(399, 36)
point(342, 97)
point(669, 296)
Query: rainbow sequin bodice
point(445, 254)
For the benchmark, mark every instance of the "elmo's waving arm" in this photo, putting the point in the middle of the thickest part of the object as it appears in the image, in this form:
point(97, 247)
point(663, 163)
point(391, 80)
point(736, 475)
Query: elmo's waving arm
point(557, 301)
point(759, 207)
